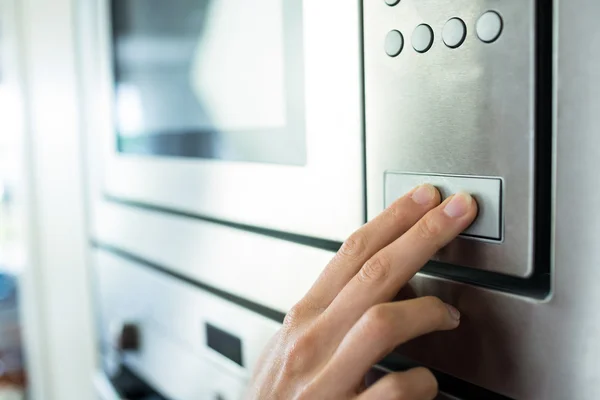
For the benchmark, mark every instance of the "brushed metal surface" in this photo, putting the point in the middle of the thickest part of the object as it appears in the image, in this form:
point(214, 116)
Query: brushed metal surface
point(516, 346)
point(486, 191)
point(550, 349)
point(174, 357)
point(520, 347)
point(279, 271)
point(179, 375)
point(304, 200)
point(466, 111)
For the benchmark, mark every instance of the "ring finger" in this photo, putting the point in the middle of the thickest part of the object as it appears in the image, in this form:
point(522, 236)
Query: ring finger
point(383, 328)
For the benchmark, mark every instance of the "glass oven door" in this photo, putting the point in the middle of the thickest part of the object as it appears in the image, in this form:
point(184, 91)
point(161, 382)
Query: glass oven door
point(210, 79)
point(246, 111)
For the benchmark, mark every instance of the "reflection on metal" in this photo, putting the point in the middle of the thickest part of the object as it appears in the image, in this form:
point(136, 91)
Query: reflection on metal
point(199, 79)
point(319, 198)
point(532, 343)
point(464, 111)
point(172, 328)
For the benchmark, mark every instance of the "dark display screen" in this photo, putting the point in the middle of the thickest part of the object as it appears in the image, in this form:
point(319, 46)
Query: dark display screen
point(224, 343)
point(220, 79)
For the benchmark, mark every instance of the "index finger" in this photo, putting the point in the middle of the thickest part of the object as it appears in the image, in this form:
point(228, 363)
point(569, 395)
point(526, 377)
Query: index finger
point(368, 240)
point(386, 272)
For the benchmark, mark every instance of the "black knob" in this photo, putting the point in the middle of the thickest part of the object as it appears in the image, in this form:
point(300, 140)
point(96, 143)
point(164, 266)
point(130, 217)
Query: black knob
point(129, 337)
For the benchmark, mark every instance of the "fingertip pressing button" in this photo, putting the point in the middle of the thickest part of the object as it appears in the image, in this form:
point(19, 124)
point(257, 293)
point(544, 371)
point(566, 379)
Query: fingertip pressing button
point(422, 38)
point(489, 26)
point(394, 42)
point(487, 192)
point(454, 32)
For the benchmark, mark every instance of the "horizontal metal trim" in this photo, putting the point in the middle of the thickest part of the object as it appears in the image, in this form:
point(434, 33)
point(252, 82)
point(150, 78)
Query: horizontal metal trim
point(448, 384)
point(537, 286)
point(247, 304)
point(324, 244)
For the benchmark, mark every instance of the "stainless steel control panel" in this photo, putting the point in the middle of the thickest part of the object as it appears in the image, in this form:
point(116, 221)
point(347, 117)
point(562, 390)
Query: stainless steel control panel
point(450, 90)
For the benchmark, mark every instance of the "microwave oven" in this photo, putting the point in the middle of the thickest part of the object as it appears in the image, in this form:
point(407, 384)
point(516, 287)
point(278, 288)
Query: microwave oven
point(309, 118)
point(253, 120)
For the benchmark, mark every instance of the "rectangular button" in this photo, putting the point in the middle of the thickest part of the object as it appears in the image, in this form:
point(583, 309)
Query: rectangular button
point(487, 192)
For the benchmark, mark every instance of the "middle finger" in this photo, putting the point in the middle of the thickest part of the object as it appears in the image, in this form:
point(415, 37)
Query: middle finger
point(369, 239)
point(391, 268)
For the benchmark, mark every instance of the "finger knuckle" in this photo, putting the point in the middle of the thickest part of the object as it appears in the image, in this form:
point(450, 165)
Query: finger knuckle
point(355, 246)
point(378, 321)
point(375, 270)
point(428, 227)
point(294, 315)
point(397, 210)
point(298, 355)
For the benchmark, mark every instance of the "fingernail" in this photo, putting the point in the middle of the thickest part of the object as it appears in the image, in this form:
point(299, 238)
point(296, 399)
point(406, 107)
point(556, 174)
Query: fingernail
point(454, 313)
point(459, 205)
point(424, 194)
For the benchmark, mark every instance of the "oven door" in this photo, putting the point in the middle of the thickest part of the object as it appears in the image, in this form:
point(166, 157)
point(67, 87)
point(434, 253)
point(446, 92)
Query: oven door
point(186, 343)
point(242, 111)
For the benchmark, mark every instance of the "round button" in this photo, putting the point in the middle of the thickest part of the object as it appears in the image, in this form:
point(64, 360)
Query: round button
point(489, 26)
point(422, 38)
point(392, 2)
point(394, 42)
point(454, 32)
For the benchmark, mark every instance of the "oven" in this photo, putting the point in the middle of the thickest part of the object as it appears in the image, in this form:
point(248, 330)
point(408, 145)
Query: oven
point(185, 342)
point(236, 154)
point(189, 342)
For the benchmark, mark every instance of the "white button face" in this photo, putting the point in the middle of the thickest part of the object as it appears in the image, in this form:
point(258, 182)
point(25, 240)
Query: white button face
point(489, 26)
point(486, 191)
point(454, 32)
point(422, 38)
point(394, 42)
point(392, 2)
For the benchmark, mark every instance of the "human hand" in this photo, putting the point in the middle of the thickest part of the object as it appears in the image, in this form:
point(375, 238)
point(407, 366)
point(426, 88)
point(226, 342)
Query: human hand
point(346, 322)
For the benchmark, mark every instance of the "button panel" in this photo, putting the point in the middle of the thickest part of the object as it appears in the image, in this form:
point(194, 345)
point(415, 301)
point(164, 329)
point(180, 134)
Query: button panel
point(462, 107)
point(486, 191)
point(488, 29)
